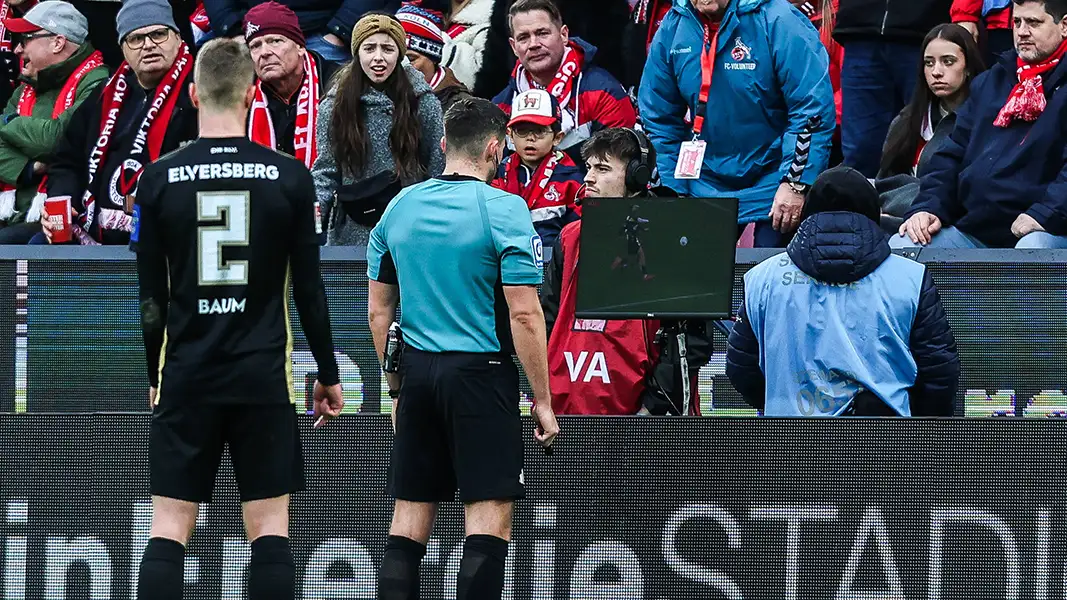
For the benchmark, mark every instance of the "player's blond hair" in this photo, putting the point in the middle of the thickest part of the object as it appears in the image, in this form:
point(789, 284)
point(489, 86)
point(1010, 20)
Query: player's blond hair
point(223, 73)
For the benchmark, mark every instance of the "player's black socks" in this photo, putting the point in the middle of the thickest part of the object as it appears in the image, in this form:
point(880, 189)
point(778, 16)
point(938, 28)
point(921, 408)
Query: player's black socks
point(162, 570)
point(271, 573)
point(399, 576)
point(481, 572)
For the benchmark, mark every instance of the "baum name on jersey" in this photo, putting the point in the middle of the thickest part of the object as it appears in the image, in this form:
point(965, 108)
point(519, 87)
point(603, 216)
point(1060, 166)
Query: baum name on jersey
point(221, 306)
point(227, 170)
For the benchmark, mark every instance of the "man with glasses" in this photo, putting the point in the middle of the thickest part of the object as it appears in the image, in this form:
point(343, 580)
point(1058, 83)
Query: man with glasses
point(143, 112)
point(60, 69)
point(9, 61)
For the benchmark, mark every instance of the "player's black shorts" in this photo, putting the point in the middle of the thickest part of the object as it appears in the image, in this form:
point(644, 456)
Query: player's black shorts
point(185, 448)
point(457, 425)
point(633, 245)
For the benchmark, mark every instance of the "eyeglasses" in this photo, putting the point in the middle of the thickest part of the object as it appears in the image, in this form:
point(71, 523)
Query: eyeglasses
point(23, 39)
point(135, 41)
point(536, 132)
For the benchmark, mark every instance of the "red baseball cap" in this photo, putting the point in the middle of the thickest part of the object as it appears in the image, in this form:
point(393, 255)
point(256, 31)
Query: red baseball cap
point(535, 106)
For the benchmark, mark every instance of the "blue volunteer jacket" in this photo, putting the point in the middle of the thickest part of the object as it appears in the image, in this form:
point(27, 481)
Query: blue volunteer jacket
point(985, 176)
point(771, 76)
point(838, 314)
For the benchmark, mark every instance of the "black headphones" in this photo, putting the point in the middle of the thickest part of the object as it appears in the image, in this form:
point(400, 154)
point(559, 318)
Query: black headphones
point(638, 171)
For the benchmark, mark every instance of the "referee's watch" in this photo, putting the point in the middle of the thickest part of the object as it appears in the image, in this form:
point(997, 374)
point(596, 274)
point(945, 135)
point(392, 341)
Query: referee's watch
point(394, 394)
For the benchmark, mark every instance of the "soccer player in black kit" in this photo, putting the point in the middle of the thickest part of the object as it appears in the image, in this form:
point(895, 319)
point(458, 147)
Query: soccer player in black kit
point(222, 228)
point(631, 230)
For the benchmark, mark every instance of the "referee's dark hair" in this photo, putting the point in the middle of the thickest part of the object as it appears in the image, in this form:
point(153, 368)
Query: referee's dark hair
point(223, 75)
point(469, 125)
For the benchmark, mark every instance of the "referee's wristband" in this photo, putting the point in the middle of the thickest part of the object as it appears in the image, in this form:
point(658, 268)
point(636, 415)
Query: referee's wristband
point(394, 394)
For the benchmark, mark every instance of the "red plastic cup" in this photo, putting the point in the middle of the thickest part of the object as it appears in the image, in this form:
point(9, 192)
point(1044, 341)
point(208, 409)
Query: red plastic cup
point(57, 211)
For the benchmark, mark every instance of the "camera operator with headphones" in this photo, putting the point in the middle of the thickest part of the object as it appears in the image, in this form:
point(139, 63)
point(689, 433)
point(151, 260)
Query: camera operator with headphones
point(617, 367)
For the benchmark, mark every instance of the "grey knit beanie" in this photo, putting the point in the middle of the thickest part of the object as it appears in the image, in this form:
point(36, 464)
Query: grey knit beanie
point(136, 14)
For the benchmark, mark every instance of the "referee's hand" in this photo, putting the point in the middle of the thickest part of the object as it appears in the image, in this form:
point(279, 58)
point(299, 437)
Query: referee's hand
point(546, 428)
point(329, 402)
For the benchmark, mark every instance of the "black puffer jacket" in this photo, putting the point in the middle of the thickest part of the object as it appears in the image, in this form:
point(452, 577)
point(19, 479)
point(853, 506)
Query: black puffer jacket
point(893, 19)
point(843, 247)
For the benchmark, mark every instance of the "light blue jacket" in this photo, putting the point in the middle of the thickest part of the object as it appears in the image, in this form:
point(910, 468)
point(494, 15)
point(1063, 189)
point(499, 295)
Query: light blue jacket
point(823, 343)
point(771, 76)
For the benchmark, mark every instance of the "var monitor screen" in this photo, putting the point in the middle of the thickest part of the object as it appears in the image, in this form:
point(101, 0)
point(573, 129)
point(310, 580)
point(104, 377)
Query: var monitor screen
point(656, 258)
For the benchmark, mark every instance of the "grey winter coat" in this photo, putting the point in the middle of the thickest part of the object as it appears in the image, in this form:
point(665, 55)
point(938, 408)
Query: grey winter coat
point(378, 117)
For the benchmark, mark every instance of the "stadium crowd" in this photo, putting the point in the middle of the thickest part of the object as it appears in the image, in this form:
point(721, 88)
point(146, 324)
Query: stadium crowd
point(947, 107)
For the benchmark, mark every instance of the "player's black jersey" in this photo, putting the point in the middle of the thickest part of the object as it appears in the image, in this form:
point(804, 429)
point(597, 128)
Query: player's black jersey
point(633, 227)
point(222, 228)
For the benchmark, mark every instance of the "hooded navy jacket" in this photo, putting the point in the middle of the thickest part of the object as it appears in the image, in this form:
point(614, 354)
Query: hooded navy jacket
point(985, 176)
point(842, 258)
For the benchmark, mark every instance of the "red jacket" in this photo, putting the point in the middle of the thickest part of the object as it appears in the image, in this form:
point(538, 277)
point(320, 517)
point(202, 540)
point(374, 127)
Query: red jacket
point(595, 367)
point(970, 11)
point(825, 24)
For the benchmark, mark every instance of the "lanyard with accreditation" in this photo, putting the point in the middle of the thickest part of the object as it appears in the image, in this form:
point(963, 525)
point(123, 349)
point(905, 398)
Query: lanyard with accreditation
point(691, 153)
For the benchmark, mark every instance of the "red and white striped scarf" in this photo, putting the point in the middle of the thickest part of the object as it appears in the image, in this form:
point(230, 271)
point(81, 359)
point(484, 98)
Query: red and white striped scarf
point(563, 85)
point(26, 103)
point(261, 126)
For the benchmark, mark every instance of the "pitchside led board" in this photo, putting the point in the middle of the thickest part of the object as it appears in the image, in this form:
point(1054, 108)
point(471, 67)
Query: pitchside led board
point(657, 258)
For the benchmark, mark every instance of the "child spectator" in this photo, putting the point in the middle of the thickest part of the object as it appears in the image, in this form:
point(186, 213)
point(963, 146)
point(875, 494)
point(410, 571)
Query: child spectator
point(543, 175)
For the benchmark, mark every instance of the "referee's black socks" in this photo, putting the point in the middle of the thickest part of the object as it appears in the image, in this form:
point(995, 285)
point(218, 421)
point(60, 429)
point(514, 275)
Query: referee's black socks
point(162, 570)
point(271, 573)
point(481, 573)
point(399, 576)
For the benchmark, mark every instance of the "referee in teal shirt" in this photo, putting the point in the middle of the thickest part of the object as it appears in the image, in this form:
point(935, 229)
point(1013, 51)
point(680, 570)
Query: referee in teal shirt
point(464, 260)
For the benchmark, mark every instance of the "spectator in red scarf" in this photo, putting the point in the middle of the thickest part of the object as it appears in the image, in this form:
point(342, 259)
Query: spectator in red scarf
point(537, 171)
point(1000, 180)
point(60, 70)
point(291, 79)
point(995, 15)
point(114, 134)
point(9, 61)
point(550, 59)
point(426, 43)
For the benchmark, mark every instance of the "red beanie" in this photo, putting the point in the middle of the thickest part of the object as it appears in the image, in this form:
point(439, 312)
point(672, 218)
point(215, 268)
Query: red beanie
point(273, 18)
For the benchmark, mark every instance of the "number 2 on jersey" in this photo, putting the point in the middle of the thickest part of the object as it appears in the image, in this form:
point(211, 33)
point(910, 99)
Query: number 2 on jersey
point(232, 209)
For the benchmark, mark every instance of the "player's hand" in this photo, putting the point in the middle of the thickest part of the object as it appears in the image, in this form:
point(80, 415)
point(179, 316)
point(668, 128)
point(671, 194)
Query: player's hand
point(1025, 224)
point(785, 212)
point(153, 393)
point(921, 227)
point(546, 428)
point(329, 402)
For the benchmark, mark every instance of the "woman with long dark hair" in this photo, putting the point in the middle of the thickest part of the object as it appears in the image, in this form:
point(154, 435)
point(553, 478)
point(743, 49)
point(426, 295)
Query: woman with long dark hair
point(380, 128)
point(950, 61)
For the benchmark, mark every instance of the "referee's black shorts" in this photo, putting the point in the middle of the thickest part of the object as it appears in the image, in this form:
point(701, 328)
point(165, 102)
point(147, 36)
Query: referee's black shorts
point(457, 426)
point(185, 448)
